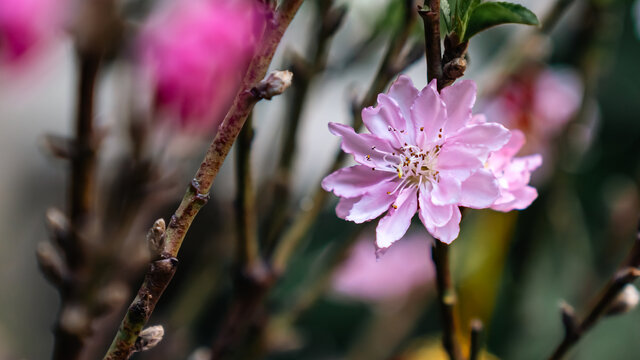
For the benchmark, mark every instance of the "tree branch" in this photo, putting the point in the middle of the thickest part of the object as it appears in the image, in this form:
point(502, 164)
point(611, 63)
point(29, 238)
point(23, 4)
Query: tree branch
point(430, 14)
point(446, 298)
point(574, 327)
point(252, 90)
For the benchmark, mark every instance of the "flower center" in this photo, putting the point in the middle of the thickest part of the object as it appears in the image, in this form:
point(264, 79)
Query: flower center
point(416, 165)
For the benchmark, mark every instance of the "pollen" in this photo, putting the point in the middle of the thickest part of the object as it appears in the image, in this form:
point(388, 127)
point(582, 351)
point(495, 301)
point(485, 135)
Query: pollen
point(395, 206)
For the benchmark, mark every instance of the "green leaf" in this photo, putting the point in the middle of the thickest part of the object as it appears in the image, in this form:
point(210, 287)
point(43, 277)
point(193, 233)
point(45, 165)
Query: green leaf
point(489, 14)
point(446, 14)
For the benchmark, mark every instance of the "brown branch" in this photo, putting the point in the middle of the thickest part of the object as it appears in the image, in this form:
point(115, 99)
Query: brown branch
point(576, 328)
point(430, 14)
point(69, 342)
point(446, 298)
point(476, 339)
point(246, 230)
point(252, 90)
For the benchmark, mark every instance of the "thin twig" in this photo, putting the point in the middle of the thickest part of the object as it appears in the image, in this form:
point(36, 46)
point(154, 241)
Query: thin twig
point(329, 20)
point(574, 328)
point(447, 299)
point(394, 61)
point(476, 339)
point(252, 90)
point(246, 230)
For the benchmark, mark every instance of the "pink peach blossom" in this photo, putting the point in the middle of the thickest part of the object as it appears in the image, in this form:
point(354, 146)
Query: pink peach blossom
point(514, 174)
point(195, 53)
point(423, 155)
point(405, 267)
point(27, 25)
point(539, 102)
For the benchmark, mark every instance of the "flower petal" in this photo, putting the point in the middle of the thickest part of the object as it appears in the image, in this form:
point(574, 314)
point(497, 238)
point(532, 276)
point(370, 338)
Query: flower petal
point(522, 198)
point(429, 115)
point(483, 138)
point(395, 224)
point(458, 161)
point(385, 120)
point(446, 191)
point(368, 206)
point(459, 99)
point(435, 215)
point(480, 190)
point(355, 180)
point(404, 94)
point(361, 146)
point(449, 231)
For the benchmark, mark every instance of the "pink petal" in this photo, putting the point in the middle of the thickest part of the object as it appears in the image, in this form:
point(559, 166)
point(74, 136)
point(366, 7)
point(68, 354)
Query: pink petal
point(448, 232)
point(522, 198)
point(480, 190)
point(385, 120)
point(361, 145)
point(355, 180)
point(446, 191)
point(459, 99)
point(429, 115)
point(435, 215)
point(368, 206)
point(488, 136)
point(395, 224)
point(458, 162)
point(404, 94)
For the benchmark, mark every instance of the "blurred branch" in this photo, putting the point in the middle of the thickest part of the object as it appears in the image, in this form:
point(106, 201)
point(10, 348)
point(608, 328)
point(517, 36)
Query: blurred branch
point(247, 245)
point(446, 298)
point(69, 340)
point(476, 339)
point(329, 20)
point(576, 328)
point(252, 90)
point(394, 61)
point(554, 15)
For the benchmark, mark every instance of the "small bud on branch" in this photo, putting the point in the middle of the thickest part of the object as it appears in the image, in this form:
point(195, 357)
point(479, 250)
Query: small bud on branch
point(275, 84)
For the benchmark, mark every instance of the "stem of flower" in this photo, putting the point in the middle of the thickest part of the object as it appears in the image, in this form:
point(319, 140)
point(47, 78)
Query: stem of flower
point(430, 14)
point(446, 298)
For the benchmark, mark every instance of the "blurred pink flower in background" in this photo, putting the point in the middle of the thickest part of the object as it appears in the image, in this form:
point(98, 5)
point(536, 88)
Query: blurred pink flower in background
point(514, 174)
point(26, 26)
point(539, 102)
point(404, 268)
point(195, 53)
point(424, 154)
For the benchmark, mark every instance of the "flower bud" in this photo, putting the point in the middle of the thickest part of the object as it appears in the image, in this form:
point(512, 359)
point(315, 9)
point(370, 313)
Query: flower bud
point(51, 263)
point(155, 238)
point(149, 338)
point(275, 84)
point(626, 300)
